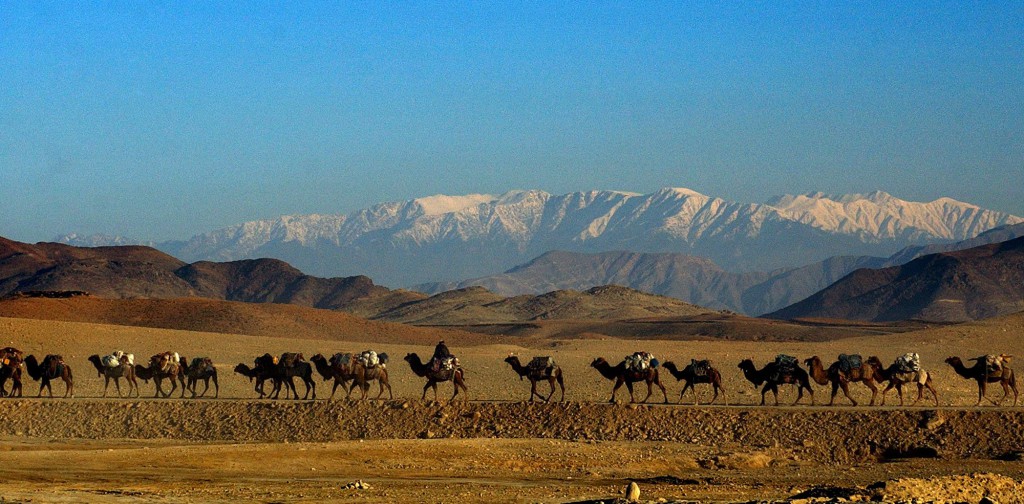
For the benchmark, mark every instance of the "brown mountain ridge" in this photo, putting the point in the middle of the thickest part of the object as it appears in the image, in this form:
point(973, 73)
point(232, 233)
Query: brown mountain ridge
point(971, 284)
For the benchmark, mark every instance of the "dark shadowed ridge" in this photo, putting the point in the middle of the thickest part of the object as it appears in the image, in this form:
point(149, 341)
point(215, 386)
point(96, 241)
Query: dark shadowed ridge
point(971, 284)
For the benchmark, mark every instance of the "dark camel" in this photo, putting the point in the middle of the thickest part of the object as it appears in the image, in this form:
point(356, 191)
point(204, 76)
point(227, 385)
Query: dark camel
point(163, 365)
point(254, 374)
point(455, 375)
point(979, 373)
point(772, 378)
point(51, 368)
point(866, 374)
point(897, 378)
point(282, 373)
point(10, 369)
point(551, 374)
point(621, 374)
point(123, 370)
point(339, 368)
point(691, 378)
point(201, 368)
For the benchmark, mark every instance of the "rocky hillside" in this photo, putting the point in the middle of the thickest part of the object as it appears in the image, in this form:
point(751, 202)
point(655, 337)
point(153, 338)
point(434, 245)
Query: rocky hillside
point(970, 284)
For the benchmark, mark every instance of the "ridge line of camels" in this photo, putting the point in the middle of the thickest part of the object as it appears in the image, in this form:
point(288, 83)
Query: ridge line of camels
point(349, 372)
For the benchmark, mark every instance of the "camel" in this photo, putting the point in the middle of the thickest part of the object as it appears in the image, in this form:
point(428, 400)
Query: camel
point(201, 368)
point(897, 378)
point(772, 377)
point(866, 373)
point(622, 374)
point(364, 375)
point(166, 365)
point(550, 372)
point(253, 374)
point(980, 374)
point(455, 374)
point(691, 377)
point(123, 370)
point(340, 368)
point(51, 368)
point(284, 374)
point(10, 369)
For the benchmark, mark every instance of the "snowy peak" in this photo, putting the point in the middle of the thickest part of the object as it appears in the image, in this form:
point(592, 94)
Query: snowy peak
point(439, 204)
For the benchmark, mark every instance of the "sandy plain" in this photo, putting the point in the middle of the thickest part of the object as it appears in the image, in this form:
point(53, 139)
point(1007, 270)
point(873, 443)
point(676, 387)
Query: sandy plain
point(494, 447)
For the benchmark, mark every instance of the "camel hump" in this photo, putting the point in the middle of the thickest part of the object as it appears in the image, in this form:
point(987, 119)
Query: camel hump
point(700, 367)
point(541, 363)
point(290, 359)
point(641, 361)
point(850, 362)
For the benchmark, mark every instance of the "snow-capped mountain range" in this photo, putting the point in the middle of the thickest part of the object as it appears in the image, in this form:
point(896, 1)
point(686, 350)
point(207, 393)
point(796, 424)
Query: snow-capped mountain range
point(446, 238)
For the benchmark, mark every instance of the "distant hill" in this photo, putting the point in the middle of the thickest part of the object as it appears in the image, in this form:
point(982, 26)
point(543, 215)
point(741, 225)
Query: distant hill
point(143, 272)
point(129, 272)
point(451, 238)
point(969, 284)
point(694, 279)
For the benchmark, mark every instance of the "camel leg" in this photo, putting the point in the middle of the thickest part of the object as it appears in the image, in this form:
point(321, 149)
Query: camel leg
point(884, 391)
point(533, 389)
point(765, 391)
point(335, 388)
point(874, 391)
point(629, 387)
point(618, 383)
point(981, 391)
point(551, 383)
point(648, 393)
point(425, 388)
point(682, 392)
point(835, 391)
point(920, 394)
point(664, 393)
point(846, 391)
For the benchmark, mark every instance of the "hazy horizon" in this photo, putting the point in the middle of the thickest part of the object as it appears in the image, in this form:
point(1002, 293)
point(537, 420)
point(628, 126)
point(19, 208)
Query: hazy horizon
point(160, 122)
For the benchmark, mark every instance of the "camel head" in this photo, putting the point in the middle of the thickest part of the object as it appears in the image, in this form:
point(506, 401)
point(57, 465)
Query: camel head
point(243, 370)
point(411, 358)
point(513, 361)
point(599, 362)
point(953, 361)
point(317, 357)
point(95, 360)
point(810, 361)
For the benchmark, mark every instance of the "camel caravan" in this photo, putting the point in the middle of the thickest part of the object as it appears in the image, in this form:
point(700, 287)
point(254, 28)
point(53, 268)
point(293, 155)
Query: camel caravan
point(351, 371)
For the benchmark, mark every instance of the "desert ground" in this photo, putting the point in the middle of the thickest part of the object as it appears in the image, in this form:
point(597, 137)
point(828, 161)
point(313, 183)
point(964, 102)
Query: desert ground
point(492, 446)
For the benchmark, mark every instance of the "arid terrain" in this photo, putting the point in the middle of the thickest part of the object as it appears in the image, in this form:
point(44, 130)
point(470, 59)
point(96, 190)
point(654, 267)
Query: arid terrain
point(493, 447)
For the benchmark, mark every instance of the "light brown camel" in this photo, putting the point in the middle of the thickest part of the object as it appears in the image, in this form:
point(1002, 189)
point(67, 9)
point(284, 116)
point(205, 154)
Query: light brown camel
point(691, 377)
point(339, 368)
point(166, 365)
point(122, 370)
point(621, 374)
point(897, 378)
point(980, 373)
point(865, 373)
point(771, 376)
point(51, 368)
point(364, 375)
point(535, 373)
point(456, 375)
point(201, 368)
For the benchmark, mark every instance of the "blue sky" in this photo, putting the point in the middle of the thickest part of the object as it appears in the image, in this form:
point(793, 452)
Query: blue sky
point(163, 120)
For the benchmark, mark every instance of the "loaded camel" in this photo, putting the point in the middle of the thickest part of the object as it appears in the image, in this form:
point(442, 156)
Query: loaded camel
point(284, 371)
point(692, 377)
point(123, 370)
point(623, 374)
point(166, 365)
point(51, 368)
point(866, 373)
point(544, 369)
point(772, 376)
point(10, 369)
point(201, 368)
point(340, 368)
point(981, 374)
point(366, 374)
point(438, 375)
point(897, 378)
